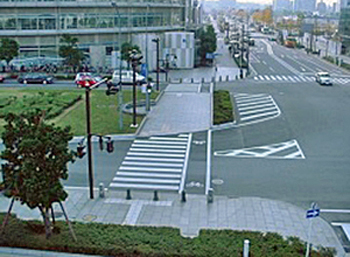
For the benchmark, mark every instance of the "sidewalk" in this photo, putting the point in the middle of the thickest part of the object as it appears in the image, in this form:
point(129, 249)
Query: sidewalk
point(247, 213)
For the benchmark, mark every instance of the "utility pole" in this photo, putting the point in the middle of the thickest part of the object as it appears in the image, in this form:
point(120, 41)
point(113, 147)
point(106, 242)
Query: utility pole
point(156, 40)
point(242, 52)
point(135, 59)
point(120, 96)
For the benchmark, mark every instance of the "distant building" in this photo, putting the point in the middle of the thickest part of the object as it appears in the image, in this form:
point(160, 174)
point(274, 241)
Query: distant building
point(344, 27)
point(280, 5)
point(321, 7)
point(304, 6)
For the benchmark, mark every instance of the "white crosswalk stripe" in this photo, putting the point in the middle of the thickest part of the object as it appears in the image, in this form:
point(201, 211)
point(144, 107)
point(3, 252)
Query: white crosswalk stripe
point(296, 79)
point(156, 163)
point(255, 108)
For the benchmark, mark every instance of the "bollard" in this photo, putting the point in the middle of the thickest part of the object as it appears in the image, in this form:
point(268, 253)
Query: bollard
point(227, 78)
point(183, 196)
point(192, 80)
point(210, 196)
point(169, 80)
point(128, 194)
point(180, 80)
point(246, 248)
point(155, 198)
point(101, 190)
point(202, 80)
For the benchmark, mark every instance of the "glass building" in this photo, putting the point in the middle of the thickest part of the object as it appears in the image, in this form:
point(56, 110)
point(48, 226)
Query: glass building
point(344, 29)
point(37, 25)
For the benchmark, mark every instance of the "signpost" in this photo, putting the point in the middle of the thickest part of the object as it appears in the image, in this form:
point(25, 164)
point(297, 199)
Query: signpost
point(311, 213)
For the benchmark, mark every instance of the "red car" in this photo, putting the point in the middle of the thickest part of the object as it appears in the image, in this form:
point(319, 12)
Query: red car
point(2, 78)
point(87, 81)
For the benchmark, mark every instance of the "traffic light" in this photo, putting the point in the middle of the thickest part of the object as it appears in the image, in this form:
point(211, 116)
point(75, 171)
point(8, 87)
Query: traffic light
point(149, 88)
point(110, 147)
point(100, 141)
point(81, 151)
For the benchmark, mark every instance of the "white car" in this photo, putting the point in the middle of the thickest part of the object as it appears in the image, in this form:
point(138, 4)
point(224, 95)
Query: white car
point(323, 78)
point(127, 77)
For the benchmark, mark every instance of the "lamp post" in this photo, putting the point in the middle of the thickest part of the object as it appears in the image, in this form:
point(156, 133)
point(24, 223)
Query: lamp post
point(120, 100)
point(135, 60)
point(156, 40)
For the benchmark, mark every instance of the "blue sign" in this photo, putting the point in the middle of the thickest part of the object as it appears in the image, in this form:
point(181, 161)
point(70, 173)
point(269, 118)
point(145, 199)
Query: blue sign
point(312, 213)
point(209, 56)
point(144, 70)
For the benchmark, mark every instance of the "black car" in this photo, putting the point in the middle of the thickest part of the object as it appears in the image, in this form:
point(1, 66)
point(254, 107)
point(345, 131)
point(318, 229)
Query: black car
point(40, 78)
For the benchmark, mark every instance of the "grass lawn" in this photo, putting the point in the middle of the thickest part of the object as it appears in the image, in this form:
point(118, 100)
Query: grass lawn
point(104, 109)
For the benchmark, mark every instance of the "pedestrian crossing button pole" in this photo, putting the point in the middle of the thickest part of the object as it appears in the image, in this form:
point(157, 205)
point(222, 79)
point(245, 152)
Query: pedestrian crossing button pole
point(183, 196)
point(128, 194)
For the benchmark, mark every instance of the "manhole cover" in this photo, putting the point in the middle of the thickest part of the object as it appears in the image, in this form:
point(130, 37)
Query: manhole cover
point(89, 217)
point(217, 182)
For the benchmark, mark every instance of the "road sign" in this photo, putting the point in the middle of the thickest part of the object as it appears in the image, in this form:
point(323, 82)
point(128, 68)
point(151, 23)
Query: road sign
point(312, 213)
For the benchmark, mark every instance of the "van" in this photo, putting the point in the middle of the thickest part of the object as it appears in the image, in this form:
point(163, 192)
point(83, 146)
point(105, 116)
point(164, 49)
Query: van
point(127, 77)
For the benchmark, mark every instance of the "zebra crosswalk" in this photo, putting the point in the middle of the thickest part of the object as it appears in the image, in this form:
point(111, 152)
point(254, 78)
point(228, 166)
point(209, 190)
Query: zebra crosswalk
point(254, 108)
point(295, 79)
point(156, 163)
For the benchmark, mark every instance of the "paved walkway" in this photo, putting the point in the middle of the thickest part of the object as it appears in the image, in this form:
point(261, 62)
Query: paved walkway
point(247, 213)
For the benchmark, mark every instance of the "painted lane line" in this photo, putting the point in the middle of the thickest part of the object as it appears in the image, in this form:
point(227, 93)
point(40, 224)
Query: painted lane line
point(258, 110)
point(159, 142)
point(145, 186)
point(293, 156)
point(168, 138)
point(159, 146)
point(150, 169)
point(142, 174)
point(208, 169)
point(153, 159)
point(251, 99)
point(256, 107)
point(255, 103)
point(335, 210)
point(184, 169)
point(155, 154)
point(259, 115)
point(277, 149)
point(183, 135)
point(126, 163)
point(146, 180)
point(156, 150)
point(290, 78)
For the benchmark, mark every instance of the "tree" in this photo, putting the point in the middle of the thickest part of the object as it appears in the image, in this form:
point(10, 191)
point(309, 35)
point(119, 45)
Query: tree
point(207, 37)
point(8, 49)
point(126, 48)
point(36, 156)
point(70, 52)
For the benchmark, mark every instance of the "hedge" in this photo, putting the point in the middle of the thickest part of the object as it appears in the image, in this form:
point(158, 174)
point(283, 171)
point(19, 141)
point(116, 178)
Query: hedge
point(223, 110)
point(122, 240)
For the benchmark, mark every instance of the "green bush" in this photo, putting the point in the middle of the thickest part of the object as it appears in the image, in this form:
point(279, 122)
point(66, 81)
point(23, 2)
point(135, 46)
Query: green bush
point(223, 110)
point(121, 240)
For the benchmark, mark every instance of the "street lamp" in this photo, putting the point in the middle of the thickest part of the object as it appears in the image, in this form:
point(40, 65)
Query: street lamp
point(120, 100)
point(156, 40)
point(135, 61)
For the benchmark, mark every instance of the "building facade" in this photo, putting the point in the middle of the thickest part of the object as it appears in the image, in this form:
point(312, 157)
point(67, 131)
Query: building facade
point(100, 26)
point(304, 6)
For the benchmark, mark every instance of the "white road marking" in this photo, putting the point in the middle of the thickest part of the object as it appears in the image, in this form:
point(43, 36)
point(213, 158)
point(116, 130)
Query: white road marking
point(146, 180)
point(155, 154)
point(156, 150)
point(143, 174)
point(158, 146)
point(152, 164)
point(255, 107)
point(257, 116)
point(168, 138)
point(273, 78)
point(278, 77)
point(254, 103)
point(261, 77)
point(267, 77)
point(260, 110)
point(159, 142)
point(150, 169)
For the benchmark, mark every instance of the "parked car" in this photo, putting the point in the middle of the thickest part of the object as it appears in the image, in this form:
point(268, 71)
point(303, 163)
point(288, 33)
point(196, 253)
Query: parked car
point(40, 78)
point(2, 78)
point(127, 77)
point(87, 80)
point(323, 78)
